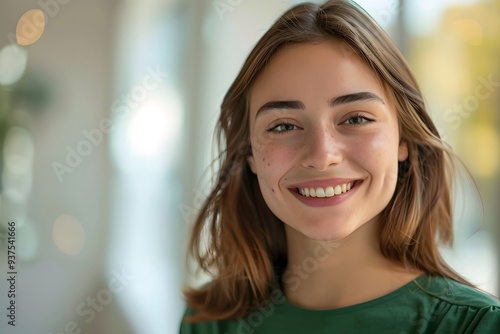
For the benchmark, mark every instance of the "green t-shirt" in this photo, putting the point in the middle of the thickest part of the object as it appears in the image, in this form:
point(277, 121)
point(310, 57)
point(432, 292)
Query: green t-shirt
point(429, 304)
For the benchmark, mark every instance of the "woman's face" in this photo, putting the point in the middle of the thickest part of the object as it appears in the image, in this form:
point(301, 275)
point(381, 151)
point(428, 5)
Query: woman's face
point(325, 140)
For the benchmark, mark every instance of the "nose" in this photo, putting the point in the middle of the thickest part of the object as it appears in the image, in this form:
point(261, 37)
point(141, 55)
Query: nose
point(322, 149)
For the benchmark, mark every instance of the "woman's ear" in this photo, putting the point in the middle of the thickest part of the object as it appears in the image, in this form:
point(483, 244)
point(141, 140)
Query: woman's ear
point(402, 151)
point(251, 163)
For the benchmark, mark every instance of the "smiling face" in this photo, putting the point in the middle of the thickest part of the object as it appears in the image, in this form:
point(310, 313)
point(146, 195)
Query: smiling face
point(325, 140)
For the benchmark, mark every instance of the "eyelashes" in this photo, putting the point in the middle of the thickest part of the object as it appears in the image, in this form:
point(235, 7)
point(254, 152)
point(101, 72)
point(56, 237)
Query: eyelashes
point(283, 127)
point(358, 119)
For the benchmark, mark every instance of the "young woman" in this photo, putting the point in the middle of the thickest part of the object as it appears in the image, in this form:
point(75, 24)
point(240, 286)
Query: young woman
point(333, 193)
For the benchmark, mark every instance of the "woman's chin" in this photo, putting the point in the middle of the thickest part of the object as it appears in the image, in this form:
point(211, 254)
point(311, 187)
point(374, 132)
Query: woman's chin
point(324, 233)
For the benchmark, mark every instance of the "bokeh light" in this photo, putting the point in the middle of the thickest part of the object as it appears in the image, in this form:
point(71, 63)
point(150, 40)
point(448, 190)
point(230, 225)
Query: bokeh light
point(27, 243)
point(470, 31)
point(481, 154)
point(13, 61)
point(30, 27)
point(155, 124)
point(18, 154)
point(68, 235)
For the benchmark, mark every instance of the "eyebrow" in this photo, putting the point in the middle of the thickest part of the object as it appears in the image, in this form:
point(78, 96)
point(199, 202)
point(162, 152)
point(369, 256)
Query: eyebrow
point(343, 99)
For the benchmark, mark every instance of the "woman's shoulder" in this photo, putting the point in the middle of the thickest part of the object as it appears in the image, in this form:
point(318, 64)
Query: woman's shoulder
point(429, 303)
point(460, 306)
point(187, 327)
point(456, 293)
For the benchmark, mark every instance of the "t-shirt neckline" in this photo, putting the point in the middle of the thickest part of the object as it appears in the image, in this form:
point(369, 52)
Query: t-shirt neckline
point(409, 287)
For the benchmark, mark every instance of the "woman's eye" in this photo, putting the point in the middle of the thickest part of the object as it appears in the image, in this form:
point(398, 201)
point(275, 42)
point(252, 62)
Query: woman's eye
point(282, 128)
point(357, 120)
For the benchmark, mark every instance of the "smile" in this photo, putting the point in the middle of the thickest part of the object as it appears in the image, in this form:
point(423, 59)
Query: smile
point(326, 192)
point(322, 193)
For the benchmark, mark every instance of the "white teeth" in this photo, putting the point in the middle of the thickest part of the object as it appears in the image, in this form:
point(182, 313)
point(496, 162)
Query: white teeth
point(326, 192)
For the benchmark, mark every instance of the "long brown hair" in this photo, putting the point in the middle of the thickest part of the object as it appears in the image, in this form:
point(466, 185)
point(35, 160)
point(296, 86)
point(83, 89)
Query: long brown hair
point(238, 240)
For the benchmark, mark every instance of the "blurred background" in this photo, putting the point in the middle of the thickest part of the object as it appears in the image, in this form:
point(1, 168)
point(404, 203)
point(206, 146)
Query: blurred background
point(107, 110)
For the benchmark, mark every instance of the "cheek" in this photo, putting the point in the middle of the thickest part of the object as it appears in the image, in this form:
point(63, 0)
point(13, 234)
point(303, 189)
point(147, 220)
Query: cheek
point(378, 155)
point(272, 163)
point(385, 159)
point(272, 156)
point(384, 146)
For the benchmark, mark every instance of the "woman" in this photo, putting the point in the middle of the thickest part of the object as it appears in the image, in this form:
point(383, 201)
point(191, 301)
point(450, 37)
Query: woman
point(333, 192)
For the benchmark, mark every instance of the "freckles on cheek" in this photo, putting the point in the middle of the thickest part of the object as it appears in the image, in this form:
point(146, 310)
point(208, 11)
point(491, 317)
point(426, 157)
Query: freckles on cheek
point(264, 162)
point(267, 158)
point(268, 170)
point(264, 184)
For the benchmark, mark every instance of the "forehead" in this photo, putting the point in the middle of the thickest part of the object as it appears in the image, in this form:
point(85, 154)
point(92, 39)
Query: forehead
point(330, 68)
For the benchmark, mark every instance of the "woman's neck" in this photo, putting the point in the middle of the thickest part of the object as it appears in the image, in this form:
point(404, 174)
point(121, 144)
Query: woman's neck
point(332, 274)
